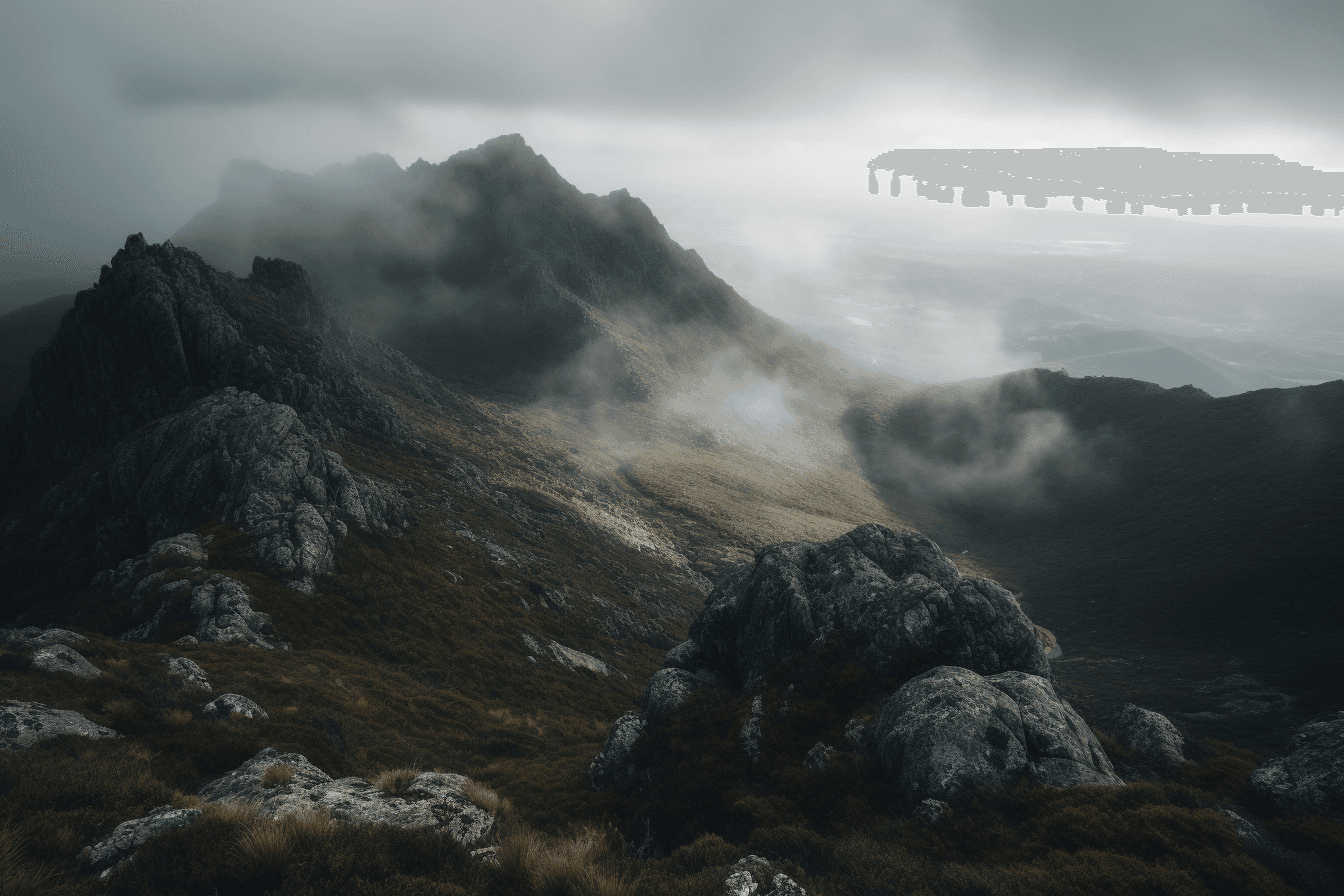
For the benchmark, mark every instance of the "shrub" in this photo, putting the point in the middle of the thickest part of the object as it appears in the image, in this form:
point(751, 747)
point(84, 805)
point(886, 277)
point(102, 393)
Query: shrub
point(277, 776)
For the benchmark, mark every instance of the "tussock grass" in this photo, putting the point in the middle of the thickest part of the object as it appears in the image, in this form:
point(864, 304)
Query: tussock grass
point(486, 798)
point(578, 865)
point(277, 775)
point(178, 718)
point(394, 782)
point(19, 874)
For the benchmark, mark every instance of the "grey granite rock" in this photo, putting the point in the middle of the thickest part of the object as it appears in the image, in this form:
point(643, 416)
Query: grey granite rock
point(226, 706)
point(131, 835)
point(25, 724)
point(932, 810)
point(819, 757)
point(22, 640)
point(894, 589)
point(1309, 778)
point(615, 763)
point(1151, 735)
point(948, 731)
point(750, 735)
point(755, 876)
point(60, 658)
point(668, 689)
point(432, 800)
point(170, 580)
point(187, 674)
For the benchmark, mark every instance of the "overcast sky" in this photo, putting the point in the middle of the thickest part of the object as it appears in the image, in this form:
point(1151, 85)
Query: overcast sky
point(119, 116)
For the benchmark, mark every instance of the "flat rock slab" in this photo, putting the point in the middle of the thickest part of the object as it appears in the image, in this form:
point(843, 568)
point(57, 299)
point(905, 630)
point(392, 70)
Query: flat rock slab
point(61, 658)
point(131, 835)
point(24, 724)
point(433, 799)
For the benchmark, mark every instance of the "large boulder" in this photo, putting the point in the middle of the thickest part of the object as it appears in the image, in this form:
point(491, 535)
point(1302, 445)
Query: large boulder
point(948, 731)
point(1309, 779)
point(24, 724)
point(228, 706)
point(891, 603)
point(1151, 735)
point(894, 592)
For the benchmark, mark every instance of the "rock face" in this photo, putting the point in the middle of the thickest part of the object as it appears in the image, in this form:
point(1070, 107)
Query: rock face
point(130, 835)
point(60, 658)
point(950, 730)
point(433, 799)
point(170, 581)
point(196, 395)
point(226, 706)
point(24, 724)
point(895, 590)
point(1310, 778)
point(1151, 735)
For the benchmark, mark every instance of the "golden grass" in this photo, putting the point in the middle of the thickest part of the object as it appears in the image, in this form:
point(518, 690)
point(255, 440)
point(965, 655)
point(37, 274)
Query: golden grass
point(486, 798)
point(578, 865)
point(394, 782)
point(178, 718)
point(277, 776)
point(117, 666)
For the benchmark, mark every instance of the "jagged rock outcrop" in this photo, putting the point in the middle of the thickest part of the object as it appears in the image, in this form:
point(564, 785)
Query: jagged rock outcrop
point(567, 657)
point(432, 800)
point(890, 603)
point(61, 658)
point(24, 724)
point(188, 394)
point(1151, 735)
point(226, 706)
point(902, 599)
point(102, 857)
point(169, 581)
point(1309, 778)
point(950, 730)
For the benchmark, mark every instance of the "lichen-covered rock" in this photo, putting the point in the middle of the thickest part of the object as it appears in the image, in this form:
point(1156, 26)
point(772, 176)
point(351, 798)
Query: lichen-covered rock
point(668, 689)
point(432, 800)
point(1151, 735)
point(187, 674)
point(25, 724)
point(60, 658)
point(1309, 778)
point(22, 640)
point(819, 757)
point(755, 876)
point(895, 590)
point(948, 731)
point(170, 581)
point(567, 657)
point(226, 706)
point(750, 735)
point(131, 835)
point(932, 810)
point(614, 764)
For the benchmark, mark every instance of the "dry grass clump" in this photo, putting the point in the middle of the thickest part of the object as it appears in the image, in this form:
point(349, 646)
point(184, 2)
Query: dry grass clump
point(579, 865)
point(266, 847)
point(19, 875)
point(277, 775)
point(178, 718)
point(486, 798)
point(394, 782)
point(117, 666)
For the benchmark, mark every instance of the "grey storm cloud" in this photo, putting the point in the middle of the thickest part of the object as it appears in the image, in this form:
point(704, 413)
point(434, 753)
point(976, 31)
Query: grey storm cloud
point(704, 55)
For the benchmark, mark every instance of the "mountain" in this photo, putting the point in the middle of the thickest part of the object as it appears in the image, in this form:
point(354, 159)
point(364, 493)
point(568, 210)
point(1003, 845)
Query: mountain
point(250, 548)
point(492, 272)
point(1141, 521)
